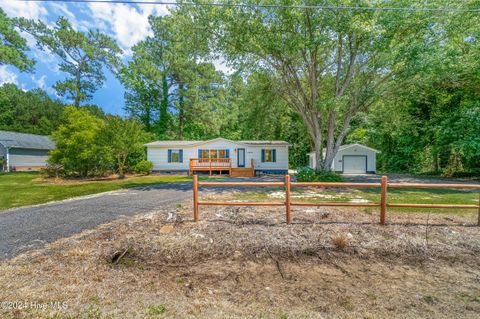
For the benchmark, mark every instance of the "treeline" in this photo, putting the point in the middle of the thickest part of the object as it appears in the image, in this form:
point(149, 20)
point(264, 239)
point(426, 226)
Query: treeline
point(404, 83)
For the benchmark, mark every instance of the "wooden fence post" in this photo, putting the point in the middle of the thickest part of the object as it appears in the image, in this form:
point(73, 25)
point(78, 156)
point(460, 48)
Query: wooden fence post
point(195, 198)
point(383, 200)
point(287, 198)
point(478, 222)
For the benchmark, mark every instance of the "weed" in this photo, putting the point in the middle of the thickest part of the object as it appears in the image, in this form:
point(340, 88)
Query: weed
point(156, 311)
point(339, 241)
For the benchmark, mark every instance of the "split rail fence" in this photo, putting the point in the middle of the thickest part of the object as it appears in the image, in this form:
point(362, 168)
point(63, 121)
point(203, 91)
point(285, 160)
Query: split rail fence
point(384, 185)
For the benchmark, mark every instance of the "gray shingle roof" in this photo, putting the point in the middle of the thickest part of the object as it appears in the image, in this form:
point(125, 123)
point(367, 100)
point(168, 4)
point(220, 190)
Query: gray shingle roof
point(194, 143)
point(22, 140)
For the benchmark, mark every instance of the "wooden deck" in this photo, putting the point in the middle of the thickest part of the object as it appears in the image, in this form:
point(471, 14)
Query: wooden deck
point(211, 165)
point(220, 165)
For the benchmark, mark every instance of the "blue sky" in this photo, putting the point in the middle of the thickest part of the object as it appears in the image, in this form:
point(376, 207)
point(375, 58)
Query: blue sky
point(127, 24)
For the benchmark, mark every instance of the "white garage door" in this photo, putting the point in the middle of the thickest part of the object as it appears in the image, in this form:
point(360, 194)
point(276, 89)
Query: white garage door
point(354, 164)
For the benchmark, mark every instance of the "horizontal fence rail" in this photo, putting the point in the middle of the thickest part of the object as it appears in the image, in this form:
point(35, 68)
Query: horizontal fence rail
point(383, 204)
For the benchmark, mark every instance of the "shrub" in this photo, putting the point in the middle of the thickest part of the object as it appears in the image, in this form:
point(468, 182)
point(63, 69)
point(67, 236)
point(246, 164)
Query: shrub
point(306, 174)
point(143, 167)
point(52, 170)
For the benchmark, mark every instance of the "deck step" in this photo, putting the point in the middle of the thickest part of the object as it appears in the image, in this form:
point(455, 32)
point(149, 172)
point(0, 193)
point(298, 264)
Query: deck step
point(242, 172)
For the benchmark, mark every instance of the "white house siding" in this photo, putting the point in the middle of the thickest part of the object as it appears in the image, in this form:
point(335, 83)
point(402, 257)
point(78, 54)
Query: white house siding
point(26, 159)
point(371, 164)
point(337, 164)
point(158, 155)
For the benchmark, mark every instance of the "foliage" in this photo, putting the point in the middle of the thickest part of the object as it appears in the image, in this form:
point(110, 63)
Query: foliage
point(169, 88)
point(431, 122)
point(12, 45)
point(143, 167)
point(28, 111)
point(83, 56)
point(326, 65)
point(79, 145)
point(87, 145)
point(124, 137)
point(307, 174)
point(52, 170)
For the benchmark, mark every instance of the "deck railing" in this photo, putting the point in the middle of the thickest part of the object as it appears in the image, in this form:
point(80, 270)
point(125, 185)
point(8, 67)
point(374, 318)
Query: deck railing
point(210, 164)
point(383, 204)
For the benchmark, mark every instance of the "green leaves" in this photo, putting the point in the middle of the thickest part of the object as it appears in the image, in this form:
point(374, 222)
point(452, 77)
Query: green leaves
point(13, 46)
point(83, 56)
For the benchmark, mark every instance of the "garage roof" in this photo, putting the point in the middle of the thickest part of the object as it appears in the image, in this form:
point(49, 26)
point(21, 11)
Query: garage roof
point(28, 141)
point(346, 146)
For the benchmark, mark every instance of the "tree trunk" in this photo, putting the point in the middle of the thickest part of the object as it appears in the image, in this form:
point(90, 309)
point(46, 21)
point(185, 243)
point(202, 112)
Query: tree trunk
point(164, 106)
point(181, 113)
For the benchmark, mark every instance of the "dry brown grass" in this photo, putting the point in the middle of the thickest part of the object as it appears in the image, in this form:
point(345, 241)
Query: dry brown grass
point(246, 262)
point(340, 241)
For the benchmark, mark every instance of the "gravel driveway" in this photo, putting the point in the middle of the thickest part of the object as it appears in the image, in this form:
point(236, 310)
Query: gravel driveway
point(27, 228)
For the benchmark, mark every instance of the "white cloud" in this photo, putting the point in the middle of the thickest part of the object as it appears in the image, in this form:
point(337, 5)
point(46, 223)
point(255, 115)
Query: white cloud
point(127, 24)
point(39, 82)
point(7, 76)
point(30, 10)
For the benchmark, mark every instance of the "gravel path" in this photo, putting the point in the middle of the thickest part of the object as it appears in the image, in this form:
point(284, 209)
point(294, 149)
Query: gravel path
point(27, 228)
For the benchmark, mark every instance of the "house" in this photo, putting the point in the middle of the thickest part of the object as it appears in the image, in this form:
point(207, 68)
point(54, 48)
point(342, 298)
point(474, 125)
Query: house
point(351, 159)
point(23, 152)
point(236, 158)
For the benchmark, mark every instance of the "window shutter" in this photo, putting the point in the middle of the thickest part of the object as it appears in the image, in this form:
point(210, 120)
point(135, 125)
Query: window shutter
point(180, 156)
point(274, 155)
point(169, 156)
point(227, 153)
point(263, 156)
point(199, 153)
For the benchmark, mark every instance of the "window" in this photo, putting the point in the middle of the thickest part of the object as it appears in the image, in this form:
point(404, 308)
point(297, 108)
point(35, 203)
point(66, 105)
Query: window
point(269, 155)
point(224, 153)
point(175, 156)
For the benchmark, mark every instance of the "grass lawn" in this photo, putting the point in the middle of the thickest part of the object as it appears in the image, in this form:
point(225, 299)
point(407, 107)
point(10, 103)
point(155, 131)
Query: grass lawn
point(411, 196)
point(20, 189)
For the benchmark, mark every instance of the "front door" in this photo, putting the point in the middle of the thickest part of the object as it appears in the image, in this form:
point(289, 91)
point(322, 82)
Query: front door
point(240, 157)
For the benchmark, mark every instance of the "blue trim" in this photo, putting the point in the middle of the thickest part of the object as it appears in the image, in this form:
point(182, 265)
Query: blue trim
point(169, 156)
point(180, 156)
point(274, 155)
point(227, 153)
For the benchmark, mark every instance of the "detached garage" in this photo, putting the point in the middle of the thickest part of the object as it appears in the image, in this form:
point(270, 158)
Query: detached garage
point(352, 159)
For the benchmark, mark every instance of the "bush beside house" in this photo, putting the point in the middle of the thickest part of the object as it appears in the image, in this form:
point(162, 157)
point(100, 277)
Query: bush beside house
point(87, 145)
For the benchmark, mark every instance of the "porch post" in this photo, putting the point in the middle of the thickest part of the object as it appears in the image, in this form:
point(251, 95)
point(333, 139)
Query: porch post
point(8, 159)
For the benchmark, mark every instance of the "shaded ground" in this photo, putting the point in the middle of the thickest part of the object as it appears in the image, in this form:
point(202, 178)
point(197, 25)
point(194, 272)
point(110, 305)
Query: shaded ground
point(245, 262)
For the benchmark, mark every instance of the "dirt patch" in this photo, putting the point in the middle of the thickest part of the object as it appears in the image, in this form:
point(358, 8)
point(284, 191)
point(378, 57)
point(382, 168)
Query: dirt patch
point(246, 262)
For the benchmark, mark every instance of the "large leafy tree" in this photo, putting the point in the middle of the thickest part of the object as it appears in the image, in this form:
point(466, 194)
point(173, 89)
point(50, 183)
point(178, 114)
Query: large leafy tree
point(328, 65)
point(12, 45)
point(170, 88)
point(430, 120)
point(80, 146)
point(28, 111)
point(125, 139)
point(83, 55)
